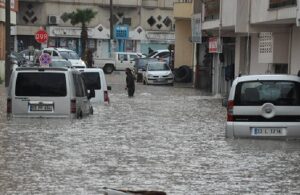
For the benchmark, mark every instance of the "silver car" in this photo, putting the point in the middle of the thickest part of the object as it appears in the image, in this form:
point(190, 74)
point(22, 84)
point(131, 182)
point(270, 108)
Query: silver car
point(264, 106)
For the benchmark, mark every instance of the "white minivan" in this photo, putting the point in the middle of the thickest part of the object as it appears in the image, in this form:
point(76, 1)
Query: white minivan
point(94, 79)
point(48, 92)
point(264, 106)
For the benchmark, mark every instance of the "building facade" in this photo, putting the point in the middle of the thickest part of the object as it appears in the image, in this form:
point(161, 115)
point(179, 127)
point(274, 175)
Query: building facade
point(244, 37)
point(149, 24)
point(14, 10)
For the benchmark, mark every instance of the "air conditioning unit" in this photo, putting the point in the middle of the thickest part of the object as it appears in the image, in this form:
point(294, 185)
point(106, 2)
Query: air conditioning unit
point(53, 20)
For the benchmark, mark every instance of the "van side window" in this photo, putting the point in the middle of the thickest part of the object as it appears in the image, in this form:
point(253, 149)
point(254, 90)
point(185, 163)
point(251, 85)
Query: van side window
point(79, 91)
point(133, 57)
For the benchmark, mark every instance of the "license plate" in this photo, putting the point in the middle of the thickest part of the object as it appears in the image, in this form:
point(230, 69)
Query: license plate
point(265, 131)
point(38, 107)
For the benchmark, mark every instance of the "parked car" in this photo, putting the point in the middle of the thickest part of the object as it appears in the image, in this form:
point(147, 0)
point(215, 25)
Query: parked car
point(67, 54)
point(158, 73)
point(60, 63)
point(48, 92)
point(264, 106)
point(94, 79)
point(119, 61)
point(158, 53)
point(139, 65)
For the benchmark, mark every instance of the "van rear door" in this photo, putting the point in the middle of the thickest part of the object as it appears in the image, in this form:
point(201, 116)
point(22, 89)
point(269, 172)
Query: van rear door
point(41, 93)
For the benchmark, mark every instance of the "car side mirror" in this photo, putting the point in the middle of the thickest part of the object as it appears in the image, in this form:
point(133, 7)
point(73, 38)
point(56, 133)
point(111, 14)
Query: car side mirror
point(108, 87)
point(91, 93)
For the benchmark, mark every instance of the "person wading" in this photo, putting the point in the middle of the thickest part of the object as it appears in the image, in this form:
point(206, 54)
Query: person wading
point(130, 86)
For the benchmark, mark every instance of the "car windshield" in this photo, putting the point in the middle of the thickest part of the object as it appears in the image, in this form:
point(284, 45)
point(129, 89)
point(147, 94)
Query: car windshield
point(158, 67)
point(69, 55)
point(41, 84)
point(151, 54)
point(260, 92)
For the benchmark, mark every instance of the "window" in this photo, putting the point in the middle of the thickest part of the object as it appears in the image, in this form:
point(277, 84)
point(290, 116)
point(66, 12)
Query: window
point(55, 53)
point(79, 90)
point(282, 3)
point(133, 57)
point(91, 80)
point(41, 84)
point(212, 9)
point(282, 93)
point(122, 57)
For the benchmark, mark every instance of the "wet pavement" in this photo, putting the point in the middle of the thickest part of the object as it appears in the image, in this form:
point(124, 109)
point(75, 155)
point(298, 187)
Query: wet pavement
point(165, 138)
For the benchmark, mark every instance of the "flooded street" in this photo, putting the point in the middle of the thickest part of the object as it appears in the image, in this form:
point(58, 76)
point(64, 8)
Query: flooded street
point(165, 138)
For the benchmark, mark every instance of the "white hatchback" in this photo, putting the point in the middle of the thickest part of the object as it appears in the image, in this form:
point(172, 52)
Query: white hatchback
point(158, 73)
point(264, 106)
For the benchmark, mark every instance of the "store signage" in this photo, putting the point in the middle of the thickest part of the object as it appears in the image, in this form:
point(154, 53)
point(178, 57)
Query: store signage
point(196, 28)
point(214, 45)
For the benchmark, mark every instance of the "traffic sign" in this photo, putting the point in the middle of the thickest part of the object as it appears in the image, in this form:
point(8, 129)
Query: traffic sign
point(41, 36)
point(45, 59)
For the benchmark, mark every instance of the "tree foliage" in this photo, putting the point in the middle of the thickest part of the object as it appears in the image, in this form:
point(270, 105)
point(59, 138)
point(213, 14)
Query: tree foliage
point(82, 17)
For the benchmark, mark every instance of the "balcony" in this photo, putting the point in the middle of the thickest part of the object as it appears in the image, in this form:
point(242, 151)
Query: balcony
point(121, 3)
point(183, 10)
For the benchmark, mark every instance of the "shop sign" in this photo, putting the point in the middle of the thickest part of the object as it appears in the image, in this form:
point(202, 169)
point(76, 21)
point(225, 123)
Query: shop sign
point(214, 45)
point(196, 28)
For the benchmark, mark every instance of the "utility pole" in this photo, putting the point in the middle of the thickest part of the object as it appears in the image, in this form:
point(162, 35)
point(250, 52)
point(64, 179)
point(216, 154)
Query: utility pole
point(111, 27)
point(7, 42)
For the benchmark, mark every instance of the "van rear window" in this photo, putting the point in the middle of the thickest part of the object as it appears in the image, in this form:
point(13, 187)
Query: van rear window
point(41, 84)
point(281, 93)
point(91, 80)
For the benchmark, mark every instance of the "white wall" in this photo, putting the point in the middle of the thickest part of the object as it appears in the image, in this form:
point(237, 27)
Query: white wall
point(255, 67)
point(295, 57)
point(260, 12)
point(229, 12)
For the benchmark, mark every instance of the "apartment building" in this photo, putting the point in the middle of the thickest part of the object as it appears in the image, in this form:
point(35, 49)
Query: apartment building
point(148, 24)
point(240, 37)
point(14, 9)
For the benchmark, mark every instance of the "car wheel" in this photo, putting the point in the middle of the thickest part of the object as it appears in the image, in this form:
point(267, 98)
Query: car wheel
point(108, 69)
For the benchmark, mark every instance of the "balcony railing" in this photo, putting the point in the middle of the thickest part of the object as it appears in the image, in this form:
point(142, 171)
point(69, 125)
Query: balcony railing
point(211, 9)
point(282, 3)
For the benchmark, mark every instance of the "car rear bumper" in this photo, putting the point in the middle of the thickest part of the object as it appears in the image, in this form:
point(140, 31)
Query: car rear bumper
point(245, 130)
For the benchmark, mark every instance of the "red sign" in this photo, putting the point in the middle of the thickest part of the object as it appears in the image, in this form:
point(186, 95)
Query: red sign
point(41, 36)
point(213, 45)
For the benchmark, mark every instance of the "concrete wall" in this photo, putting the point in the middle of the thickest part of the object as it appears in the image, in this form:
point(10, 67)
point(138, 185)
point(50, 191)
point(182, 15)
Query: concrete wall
point(255, 67)
point(260, 12)
point(183, 46)
point(295, 48)
point(229, 13)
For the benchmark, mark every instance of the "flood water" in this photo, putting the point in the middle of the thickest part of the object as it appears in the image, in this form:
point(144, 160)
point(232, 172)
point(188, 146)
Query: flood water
point(165, 138)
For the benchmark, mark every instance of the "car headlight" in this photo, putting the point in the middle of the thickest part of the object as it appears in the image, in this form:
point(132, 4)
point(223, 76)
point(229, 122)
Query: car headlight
point(170, 75)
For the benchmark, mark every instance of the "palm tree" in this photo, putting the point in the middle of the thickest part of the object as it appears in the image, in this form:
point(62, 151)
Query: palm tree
point(83, 17)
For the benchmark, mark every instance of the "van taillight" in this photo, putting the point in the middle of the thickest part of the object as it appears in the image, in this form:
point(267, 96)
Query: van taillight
point(73, 106)
point(106, 98)
point(9, 106)
point(230, 106)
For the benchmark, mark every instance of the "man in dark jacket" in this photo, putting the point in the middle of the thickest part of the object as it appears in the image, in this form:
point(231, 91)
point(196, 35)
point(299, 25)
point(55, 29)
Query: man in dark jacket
point(130, 85)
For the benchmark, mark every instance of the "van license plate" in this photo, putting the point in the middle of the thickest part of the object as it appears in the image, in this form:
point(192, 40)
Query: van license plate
point(34, 108)
point(258, 131)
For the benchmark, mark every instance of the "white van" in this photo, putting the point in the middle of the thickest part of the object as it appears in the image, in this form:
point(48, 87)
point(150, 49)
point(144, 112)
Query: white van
point(94, 79)
point(264, 106)
point(67, 54)
point(48, 92)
